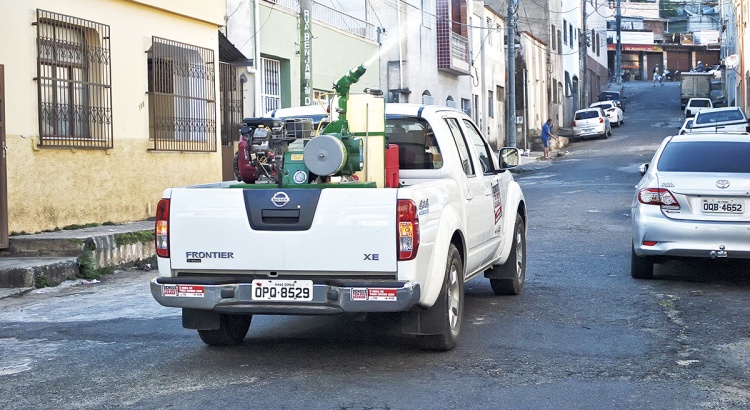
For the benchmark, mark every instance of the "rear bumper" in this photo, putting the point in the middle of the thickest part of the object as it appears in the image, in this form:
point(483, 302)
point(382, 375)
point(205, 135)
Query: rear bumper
point(328, 298)
point(595, 130)
point(698, 239)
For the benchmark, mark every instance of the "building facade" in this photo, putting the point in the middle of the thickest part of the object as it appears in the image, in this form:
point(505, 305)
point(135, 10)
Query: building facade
point(105, 105)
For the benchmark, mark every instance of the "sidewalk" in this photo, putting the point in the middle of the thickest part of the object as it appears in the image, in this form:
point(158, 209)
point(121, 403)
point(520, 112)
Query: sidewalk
point(49, 258)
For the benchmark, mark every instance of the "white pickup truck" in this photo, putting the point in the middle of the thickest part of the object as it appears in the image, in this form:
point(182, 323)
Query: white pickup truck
point(227, 251)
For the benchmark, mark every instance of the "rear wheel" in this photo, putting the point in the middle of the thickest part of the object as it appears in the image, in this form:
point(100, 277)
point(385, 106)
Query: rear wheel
point(641, 267)
point(515, 266)
point(451, 299)
point(232, 330)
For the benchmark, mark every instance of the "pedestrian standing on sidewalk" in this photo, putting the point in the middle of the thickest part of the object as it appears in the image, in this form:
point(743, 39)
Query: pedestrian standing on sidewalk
point(656, 74)
point(546, 135)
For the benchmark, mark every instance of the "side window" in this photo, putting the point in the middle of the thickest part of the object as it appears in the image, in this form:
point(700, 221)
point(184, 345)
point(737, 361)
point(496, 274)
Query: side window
point(480, 146)
point(461, 146)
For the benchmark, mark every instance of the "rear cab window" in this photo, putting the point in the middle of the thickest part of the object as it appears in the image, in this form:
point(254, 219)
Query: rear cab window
point(417, 146)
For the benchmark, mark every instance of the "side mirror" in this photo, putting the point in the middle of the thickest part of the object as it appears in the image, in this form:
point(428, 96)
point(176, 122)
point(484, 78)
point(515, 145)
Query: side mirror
point(509, 157)
point(643, 169)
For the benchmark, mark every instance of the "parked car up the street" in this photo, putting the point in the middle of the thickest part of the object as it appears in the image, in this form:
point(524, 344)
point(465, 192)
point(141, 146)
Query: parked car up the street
point(694, 105)
point(724, 120)
point(613, 112)
point(591, 122)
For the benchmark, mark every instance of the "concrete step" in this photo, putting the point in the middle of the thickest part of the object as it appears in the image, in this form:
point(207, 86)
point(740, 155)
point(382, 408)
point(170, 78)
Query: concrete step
point(36, 272)
point(48, 258)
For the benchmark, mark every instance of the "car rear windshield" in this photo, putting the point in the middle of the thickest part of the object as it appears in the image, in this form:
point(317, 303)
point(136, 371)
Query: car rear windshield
point(720, 116)
point(700, 103)
point(705, 156)
point(584, 115)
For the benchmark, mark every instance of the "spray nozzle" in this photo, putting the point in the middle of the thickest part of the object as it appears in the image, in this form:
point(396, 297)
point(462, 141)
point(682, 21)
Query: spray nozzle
point(344, 83)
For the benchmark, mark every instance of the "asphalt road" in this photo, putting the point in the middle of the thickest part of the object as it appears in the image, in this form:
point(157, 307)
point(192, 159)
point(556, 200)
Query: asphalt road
point(583, 335)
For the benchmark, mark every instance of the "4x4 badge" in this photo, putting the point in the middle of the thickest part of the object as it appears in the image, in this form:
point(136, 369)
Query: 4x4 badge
point(280, 199)
point(722, 183)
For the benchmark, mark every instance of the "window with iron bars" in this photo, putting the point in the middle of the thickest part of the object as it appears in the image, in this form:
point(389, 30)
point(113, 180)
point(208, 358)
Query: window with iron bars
point(74, 82)
point(270, 83)
point(181, 96)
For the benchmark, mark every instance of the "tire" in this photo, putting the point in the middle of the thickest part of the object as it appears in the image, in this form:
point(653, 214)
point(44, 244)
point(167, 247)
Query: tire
point(452, 298)
point(232, 330)
point(236, 166)
point(641, 267)
point(515, 266)
point(622, 122)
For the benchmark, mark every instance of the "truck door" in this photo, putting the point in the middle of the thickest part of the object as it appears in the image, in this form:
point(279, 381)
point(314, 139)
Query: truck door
point(477, 198)
point(495, 187)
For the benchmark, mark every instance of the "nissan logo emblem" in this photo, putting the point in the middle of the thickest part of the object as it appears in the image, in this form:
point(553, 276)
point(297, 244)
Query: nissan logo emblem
point(280, 199)
point(722, 183)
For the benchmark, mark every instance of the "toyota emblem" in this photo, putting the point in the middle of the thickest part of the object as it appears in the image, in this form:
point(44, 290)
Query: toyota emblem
point(722, 184)
point(280, 199)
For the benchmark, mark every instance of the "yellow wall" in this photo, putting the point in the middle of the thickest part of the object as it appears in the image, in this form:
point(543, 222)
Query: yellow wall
point(51, 187)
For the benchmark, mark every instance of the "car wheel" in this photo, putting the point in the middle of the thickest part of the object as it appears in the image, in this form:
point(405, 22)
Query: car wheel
point(451, 299)
point(515, 266)
point(232, 330)
point(641, 267)
point(622, 121)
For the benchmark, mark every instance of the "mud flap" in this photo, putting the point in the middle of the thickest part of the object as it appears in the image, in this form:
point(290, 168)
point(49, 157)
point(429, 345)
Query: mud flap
point(426, 321)
point(495, 272)
point(200, 319)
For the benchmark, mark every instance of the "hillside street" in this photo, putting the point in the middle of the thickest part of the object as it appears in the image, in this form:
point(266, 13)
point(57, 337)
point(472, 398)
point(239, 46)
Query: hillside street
point(582, 335)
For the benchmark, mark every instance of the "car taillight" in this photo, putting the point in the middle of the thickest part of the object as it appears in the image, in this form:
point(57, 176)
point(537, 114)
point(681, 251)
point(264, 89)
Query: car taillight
point(658, 196)
point(408, 230)
point(161, 228)
point(601, 120)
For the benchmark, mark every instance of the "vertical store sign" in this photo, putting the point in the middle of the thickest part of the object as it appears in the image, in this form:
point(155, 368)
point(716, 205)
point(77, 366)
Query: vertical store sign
point(305, 34)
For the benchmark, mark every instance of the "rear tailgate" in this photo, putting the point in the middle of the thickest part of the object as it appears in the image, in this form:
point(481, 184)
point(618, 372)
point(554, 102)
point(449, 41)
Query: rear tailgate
point(303, 230)
point(701, 198)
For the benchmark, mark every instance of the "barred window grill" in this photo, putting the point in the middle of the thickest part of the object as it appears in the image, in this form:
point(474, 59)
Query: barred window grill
point(231, 103)
point(73, 82)
point(181, 96)
point(270, 84)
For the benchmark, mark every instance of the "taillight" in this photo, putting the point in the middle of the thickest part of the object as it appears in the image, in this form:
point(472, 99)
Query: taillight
point(161, 228)
point(658, 196)
point(408, 230)
point(601, 120)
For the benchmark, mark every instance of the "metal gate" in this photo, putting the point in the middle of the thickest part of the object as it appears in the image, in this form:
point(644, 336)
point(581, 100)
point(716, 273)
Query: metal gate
point(231, 115)
point(3, 168)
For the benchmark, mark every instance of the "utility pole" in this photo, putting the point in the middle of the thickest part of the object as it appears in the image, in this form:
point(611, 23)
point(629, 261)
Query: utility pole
point(584, 50)
point(511, 111)
point(618, 53)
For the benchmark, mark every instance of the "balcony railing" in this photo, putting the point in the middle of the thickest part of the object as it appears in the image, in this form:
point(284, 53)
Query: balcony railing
point(333, 17)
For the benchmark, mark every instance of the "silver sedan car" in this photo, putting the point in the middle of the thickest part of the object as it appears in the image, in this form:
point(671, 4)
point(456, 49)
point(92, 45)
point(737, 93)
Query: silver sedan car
point(693, 201)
